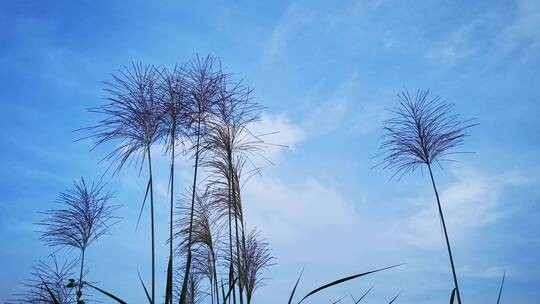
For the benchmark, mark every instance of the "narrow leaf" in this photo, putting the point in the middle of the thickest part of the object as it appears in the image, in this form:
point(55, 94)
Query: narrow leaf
point(395, 298)
point(344, 280)
point(168, 291)
point(53, 297)
point(144, 201)
point(295, 285)
point(365, 294)
point(110, 295)
point(230, 289)
point(145, 290)
point(500, 290)
point(183, 294)
point(452, 296)
point(337, 301)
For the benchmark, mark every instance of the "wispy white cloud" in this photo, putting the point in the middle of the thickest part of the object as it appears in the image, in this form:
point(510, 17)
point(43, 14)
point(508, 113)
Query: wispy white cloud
point(487, 37)
point(470, 202)
point(488, 273)
point(279, 132)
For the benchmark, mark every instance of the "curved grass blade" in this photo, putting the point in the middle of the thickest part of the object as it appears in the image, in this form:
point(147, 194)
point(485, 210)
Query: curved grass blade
point(452, 296)
point(145, 290)
point(295, 285)
point(395, 298)
point(336, 282)
point(500, 290)
point(168, 291)
point(222, 289)
point(144, 201)
point(230, 289)
point(364, 295)
point(183, 294)
point(55, 301)
point(110, 295)
point(337, 301)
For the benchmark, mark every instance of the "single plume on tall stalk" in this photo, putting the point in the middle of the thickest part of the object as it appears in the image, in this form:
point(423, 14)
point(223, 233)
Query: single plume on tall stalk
point(423, 131)
point(48, 280)
point(203, 77)
point(176, 119)
point(257, 258)
point(84, 216)
point(132, 118)
point(205, 237)
point(227, 147)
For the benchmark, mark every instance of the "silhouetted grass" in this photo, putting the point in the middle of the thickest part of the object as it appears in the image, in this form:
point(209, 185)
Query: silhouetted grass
point(198, 109)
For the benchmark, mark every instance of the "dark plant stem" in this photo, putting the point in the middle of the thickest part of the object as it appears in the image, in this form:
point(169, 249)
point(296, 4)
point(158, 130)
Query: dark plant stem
point(215, 274)
point(238, 205)
point(171, 212)
point(81, 274)
point(231, 271)
point(234, 200)
point(445, 234)
point(188, 263)
point(152, 225)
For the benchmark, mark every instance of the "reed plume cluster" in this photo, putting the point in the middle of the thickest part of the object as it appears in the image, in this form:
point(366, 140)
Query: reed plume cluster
point(199, 111)
point(84, 215)
point(423, 131)
point(195, 109)
point(48, 277)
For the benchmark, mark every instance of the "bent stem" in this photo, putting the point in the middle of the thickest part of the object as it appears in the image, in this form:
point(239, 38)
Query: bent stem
point(445, 234)
point(152, 225)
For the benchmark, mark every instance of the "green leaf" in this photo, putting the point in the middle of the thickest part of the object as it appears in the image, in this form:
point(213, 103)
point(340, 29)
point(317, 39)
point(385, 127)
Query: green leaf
point(342, 280)
point(143, 203)
point(145, 290)
point(230, 289)
point(452, 296)
point(53, 297)
point(500, 290)
point(110, 295)
point(79, 294)
point(295, 285)
point(365, 294)
point(168, 291)
point(80, 302)
point(395, 298)
point(183, 294)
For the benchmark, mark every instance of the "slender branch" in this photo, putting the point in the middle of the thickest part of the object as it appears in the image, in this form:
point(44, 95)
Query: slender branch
point(152, 226)
point(188, 264)
point(79, 285)
point(445, 234)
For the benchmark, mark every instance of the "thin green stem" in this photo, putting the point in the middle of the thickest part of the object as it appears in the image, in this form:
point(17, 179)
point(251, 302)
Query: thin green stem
point(188, 264)
point(231, 269)
point(238, 263)
point(215, 274)
point(152, 226)
point(80, 275)
point(445, 234)
point(171, 214)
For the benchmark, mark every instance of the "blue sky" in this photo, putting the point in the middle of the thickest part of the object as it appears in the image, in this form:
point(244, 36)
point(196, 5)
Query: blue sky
point(325, 70)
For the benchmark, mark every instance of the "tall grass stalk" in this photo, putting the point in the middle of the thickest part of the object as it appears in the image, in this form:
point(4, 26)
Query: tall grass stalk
point(228, 143)
point(55, 275)
point(423, 131)
point(84, 215)
point(175, 108)
point(132, 117)
point(202, 79)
